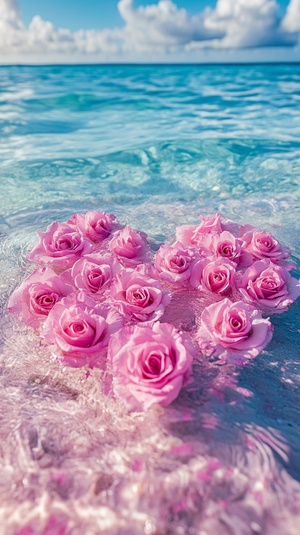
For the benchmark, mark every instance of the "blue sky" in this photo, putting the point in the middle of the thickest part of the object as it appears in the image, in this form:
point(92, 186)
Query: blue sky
point(86, 14)
point(147, 31)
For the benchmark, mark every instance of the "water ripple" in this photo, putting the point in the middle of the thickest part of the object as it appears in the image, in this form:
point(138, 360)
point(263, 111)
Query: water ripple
point(120, 107)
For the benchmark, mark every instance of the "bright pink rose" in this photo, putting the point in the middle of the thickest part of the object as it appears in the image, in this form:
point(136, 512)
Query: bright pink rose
point(81, 329)
point(37, 295)
point(138, 296)
point(215, 276)
point(269, 286)
point(130, 247)
point(60, 246)
point(94, 273)
point(150, 364)
point(263, 245)
point(96, 226)
point(233, 330)
point(175, 262)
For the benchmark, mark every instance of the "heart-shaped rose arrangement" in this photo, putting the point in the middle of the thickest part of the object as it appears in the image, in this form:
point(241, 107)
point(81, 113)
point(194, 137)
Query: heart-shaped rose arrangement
point(104, 299)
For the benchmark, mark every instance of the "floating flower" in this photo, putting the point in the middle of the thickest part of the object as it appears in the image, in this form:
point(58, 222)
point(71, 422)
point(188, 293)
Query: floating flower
point(227, 246)
point(150, 364)
point(94, 273)
point(130, 247)
point(138, 296)
point(193, 234)
point(233, 329)
point(60, 246)
point(216, 276)
point(81, 329)
point(175, 262)
point(263, 245)
point(269, 286)
point(37, 295)
point(96, 226)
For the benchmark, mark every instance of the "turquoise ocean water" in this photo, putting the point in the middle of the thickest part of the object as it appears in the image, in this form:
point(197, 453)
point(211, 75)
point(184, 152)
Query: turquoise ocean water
point(156, 145)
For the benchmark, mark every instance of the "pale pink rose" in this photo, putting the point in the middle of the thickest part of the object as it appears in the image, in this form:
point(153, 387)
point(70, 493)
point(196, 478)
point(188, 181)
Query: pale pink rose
point(263, 245)
point(138, 296)
point(185, 233)
point(234, 330)
point(210, 224)
point(60, 246)
point(175, 262)
point(191, 234)
point(94, 274)
point(225, 245)
point(269, 286)
point(96, 226)
point(231, 226)
point(81, 329)
point(216, 276)
point(37, 295)
point(207, 226)
point(130, 247)
point(150, 364)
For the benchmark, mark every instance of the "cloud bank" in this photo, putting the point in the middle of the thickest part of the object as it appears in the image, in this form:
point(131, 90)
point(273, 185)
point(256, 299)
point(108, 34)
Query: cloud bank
point(151, 32)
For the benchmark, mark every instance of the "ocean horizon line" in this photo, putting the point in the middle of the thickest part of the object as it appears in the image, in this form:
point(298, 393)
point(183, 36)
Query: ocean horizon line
point(150, 64)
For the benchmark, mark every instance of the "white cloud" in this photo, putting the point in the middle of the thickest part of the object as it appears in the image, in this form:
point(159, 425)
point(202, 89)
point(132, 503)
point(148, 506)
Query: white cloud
point(41, 39)
point(248, 24)
point(163, 26)
point(291, 21)
point(9, 12)
point(150, 32)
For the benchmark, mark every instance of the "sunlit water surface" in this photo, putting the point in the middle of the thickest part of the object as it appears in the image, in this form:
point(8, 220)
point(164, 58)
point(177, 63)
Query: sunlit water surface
point(157, 146)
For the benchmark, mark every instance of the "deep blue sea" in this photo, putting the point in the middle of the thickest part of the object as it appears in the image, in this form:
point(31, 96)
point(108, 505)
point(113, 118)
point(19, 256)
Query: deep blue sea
point(157, 146)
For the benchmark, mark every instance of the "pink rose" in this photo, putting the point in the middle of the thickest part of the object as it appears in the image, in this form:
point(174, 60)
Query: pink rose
point(60, 246)
point(215, 276)
point(96, 226)
point(130, 247)
point(263, 245)
point(234, 330)
point(191, 234)
point(175, 262)
point(37, 295)
point(210, 224)
point(139, 296)
point(225, 245)
point(94, 273)
point(269, 286)
point(150, 364)
point(81, 329)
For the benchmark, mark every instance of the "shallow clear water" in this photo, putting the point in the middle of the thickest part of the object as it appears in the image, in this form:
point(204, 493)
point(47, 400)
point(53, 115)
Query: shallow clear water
point(156, 145)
